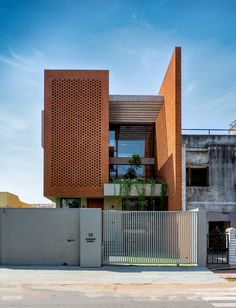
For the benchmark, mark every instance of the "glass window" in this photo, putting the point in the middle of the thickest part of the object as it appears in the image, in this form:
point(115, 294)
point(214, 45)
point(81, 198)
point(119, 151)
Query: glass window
point(119, 171)
point(122, 170)
point(132, 139)
point(70, 202)
point(148, 204)
point(126, 148)
point(112, 139)
point(126, 140)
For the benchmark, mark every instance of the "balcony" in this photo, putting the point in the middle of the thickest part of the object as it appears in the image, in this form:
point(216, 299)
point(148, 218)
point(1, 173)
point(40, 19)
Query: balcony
point(134, 190)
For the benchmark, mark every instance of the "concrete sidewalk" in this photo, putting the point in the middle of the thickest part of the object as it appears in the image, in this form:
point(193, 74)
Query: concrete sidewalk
point(226, 273)
point(109, 275)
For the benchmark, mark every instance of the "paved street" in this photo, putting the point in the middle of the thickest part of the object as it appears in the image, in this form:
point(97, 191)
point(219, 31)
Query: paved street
point(115, 287)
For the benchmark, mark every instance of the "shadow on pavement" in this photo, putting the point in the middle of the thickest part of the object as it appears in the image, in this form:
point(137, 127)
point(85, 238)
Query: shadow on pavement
point(111, 268)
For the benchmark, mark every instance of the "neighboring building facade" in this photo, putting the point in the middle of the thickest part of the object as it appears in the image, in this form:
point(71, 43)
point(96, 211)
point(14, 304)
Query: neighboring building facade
point(232, 128)
point(10, 200)
point(89, 137)
point(209, 177)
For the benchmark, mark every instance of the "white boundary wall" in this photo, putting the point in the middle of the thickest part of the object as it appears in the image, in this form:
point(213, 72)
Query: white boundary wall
point(39, 236)
point(52, 237)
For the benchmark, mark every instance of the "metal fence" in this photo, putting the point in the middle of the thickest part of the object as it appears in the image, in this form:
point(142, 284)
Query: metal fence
point(136, 237)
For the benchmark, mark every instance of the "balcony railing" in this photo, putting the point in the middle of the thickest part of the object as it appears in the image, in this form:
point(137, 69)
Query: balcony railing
point(208, 131)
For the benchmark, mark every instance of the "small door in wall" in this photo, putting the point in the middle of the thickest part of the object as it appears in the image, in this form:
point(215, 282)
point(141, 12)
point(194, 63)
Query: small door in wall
point(93, 203)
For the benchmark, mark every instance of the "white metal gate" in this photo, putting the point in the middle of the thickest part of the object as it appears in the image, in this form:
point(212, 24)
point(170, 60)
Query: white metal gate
point(136, 237)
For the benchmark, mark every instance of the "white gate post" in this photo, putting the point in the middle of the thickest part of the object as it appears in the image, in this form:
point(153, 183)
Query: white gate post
point(90, 237)
point(201, 237)
point(231, 235)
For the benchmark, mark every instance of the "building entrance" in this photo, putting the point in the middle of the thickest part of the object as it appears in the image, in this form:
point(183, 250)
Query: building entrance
point(217, 249)
point(93, 203)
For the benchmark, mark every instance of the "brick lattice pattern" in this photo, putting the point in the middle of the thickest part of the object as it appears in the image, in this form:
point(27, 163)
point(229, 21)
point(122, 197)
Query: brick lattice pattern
point(76, 136)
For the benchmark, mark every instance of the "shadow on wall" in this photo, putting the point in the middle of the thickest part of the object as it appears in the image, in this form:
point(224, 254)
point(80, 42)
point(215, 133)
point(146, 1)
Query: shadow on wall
point(168, 131)
point(167, 171)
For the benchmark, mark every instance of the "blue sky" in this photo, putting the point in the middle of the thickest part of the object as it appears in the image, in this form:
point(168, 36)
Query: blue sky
point(134, 40)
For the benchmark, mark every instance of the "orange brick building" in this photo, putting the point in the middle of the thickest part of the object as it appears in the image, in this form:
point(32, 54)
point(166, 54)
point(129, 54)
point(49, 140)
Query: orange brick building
point(89, 136)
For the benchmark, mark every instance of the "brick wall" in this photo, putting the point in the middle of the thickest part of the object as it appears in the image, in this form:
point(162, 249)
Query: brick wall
point(168, 132)
point(76, 132)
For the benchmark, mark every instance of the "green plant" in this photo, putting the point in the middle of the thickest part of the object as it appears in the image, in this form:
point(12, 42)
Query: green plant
point(125, 187)
point(135, 163)
point(163, 196)
point(139, 184)
point(131, 179)
point(153, 182)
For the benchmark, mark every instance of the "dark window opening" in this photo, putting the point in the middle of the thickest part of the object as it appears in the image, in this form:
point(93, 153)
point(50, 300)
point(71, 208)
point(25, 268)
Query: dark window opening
point(197, 176)
point(148, 204)
point(70, 202)
point(218, 226)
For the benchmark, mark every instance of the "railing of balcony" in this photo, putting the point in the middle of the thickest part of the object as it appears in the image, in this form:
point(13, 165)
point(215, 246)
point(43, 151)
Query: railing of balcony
point(208, 131)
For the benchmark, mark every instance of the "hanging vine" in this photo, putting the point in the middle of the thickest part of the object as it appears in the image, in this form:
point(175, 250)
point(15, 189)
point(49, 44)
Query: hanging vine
point(131, 181)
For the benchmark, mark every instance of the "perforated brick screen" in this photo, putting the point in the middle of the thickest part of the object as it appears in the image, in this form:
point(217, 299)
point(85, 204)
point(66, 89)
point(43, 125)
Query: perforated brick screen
point(76, 112)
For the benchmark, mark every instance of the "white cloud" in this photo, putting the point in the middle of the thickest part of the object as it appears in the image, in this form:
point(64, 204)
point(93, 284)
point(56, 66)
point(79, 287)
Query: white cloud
point(30, 64)
point(209, 92)
point(11, 125)
point(140, 21)
point(21, 100)
point(190, 88)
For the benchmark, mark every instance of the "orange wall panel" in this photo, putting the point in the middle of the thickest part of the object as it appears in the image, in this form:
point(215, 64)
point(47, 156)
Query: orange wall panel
point(76, 132)
point(168, 132)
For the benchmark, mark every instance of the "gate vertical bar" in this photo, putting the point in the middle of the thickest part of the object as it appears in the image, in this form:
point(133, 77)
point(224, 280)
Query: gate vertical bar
point(139, 237)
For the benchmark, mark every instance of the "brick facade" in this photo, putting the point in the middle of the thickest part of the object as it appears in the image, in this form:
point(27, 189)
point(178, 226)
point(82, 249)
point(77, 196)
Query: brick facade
point(168, 132)
point(76, 132)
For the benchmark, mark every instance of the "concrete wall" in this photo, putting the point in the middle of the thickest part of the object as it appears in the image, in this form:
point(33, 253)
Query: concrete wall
point(232, 219)
point(219, 153)
point(90, 237)
point(112, 203)
point(39, 236)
